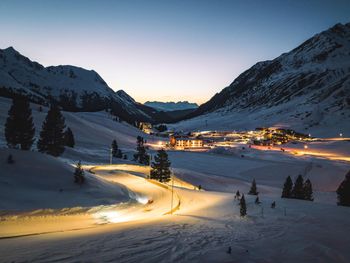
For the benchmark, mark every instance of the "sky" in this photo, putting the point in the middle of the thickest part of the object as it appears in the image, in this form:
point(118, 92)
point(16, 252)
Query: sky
point(164, 50)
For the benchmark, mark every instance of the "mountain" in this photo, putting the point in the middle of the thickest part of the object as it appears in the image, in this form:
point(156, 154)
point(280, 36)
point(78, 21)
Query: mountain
point(307, 87)
point(171, 106)
point(73, 88)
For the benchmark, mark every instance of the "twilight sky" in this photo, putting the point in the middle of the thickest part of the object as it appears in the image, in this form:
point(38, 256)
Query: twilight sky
point(164, 50)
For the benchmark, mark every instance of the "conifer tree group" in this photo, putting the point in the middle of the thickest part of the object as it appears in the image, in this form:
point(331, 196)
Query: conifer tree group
point(19, 126)
point(300, 190)
point(141, 155)
point(343, 191)
point(52, 139)
point(161, 167)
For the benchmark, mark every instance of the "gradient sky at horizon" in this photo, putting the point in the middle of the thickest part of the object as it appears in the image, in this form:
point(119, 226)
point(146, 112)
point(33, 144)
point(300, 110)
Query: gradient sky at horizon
point(164, 50)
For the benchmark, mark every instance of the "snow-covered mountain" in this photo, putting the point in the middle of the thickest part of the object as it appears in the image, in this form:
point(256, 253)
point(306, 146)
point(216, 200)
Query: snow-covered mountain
point(308, 87)
point(171, 106)
point(74, 88)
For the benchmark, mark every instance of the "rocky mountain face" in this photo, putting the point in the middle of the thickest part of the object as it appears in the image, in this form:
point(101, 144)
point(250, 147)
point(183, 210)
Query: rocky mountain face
point(73, 88)
point(171, 106)
point(312, 79)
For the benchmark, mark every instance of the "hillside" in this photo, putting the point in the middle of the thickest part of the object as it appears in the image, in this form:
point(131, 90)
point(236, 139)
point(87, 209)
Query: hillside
point(50, 184)
point(307, 88)
point(93, 132)
point(74, 88)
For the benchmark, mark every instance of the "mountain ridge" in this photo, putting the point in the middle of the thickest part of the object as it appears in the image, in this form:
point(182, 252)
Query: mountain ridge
point(314, 75)
point(73, 88)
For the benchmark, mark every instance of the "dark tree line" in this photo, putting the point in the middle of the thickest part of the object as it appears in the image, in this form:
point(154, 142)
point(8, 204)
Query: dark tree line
point(300, 190)
point(20, 131)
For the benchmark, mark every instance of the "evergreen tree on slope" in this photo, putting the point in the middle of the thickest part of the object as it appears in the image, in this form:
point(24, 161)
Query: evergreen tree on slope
point(52, 133)
point(308, 194)
point(243, 207)
point(19, 127)
point(298, 189)
point(287, 188)
point(343, 191)
point(253, 189)
point(161, 167)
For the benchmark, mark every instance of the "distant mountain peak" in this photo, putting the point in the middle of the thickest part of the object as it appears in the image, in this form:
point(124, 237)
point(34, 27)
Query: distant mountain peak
point(171, 106)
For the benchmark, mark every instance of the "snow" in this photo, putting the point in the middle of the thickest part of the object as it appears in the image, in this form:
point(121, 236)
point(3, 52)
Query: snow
point(93, 132)
point(38, 181)
point(306, 89)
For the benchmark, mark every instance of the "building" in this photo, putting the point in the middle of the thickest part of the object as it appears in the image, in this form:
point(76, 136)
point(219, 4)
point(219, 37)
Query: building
point(185, 142)
point(146, 127)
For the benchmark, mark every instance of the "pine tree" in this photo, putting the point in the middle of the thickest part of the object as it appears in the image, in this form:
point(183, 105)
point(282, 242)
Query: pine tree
point(114, 148)
point(161, 167)
point(19, 127)
point(243, 206)
point(287, 188)
point(52, 133)
point(141, 156)
point(298, 189)
point(308, 194)
point(69, 138)
point(253, 189)
point(79, 174)
point(343, 191)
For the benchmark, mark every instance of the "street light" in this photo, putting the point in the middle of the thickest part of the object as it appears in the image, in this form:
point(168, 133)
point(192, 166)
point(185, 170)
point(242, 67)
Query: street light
point(110, 156)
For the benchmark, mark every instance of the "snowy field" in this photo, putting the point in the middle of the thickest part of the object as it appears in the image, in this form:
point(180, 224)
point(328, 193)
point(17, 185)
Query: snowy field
point(121, 216)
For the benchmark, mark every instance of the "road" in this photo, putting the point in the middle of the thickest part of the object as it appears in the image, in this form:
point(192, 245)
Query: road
point(150, 200)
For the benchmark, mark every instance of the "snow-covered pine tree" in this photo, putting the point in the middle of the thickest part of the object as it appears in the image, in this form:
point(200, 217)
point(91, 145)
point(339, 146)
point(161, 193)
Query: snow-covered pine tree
point(69, 138)
point(161, 167)
point(243, 207)
point(253, 189)
point(19, 127)
point(343, 191)
point(141, 156)
point(52, 133)
point(287, 188)
point(298, 189)
point(79, 174)
point(308, 194)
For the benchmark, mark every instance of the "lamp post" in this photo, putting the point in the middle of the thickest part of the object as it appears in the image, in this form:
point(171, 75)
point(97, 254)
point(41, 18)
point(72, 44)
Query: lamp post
point(172, 194)
point(110, 156)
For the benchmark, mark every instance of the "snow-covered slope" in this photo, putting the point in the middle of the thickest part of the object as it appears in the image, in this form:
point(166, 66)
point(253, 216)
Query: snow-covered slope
point(73, 87)
point(307, 88)
point(93, 132)
point(38, 180)
point(171, 106)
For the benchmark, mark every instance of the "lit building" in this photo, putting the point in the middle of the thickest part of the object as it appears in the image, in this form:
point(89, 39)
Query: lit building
point(146, 127)
point(185, 142)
